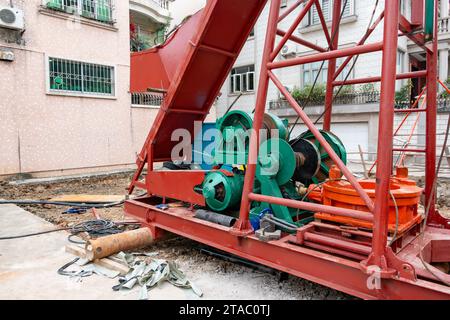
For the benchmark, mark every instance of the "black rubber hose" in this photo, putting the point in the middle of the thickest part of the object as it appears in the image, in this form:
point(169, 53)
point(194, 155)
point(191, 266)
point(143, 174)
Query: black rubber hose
point(66, 204)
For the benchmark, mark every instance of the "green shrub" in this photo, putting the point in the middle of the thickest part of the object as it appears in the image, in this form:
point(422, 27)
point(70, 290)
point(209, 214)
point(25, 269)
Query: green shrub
point(367, 88)
point(317, 94)
point(404, 94)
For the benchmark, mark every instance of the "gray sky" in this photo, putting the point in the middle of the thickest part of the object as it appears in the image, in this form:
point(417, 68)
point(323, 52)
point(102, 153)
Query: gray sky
point(181, 8)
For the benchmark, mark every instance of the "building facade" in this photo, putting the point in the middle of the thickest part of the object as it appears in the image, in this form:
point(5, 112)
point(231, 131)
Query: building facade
point(149, 22)
point(65, 105)
point(356, 112)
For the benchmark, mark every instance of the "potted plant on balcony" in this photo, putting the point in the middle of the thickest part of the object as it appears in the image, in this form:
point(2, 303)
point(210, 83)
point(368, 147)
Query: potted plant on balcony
point(55, 4)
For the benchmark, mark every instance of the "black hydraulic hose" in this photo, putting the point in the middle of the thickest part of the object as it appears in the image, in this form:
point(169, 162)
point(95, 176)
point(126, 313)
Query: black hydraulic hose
point(66, 204)
point(96, 228)
point(34, 234)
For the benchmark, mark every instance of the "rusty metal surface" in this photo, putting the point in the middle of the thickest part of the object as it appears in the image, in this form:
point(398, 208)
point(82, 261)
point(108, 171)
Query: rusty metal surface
point(109, 245)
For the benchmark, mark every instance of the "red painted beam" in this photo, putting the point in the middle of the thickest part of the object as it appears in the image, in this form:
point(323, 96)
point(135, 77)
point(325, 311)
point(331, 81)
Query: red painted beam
point(367, 48)
point(407, 75)
point(361, 215)
point(322, 268)
point(291, 29)
point(167, 184)
point(301, 41)
point(290, 10)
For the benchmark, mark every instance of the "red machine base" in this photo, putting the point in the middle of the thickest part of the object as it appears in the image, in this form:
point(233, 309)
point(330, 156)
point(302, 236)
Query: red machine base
point(323, 268)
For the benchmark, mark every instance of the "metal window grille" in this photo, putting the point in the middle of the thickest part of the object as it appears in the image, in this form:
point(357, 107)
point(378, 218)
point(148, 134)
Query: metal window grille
point(100, 10)
point(80, 77)
point(311, 70)
point(327, 5)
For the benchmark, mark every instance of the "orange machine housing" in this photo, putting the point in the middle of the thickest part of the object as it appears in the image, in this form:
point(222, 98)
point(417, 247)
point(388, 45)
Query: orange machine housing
point(339, 193)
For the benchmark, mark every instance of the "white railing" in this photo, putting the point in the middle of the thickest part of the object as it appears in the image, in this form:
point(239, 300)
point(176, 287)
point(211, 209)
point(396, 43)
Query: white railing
point(162, 3)
point(444, 25)
point(150, 99)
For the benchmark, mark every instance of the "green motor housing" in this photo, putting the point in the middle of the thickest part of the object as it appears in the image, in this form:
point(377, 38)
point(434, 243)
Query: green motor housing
point(223, 190)
point(235, 127)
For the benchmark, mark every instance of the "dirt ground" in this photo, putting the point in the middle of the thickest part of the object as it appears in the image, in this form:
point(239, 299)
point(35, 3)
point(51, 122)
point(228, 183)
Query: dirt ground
point(111, 185)
point(187, 253)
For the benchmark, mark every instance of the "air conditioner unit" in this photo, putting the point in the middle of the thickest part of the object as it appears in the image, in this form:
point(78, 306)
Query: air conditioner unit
point(289, 49)
point(11, 18)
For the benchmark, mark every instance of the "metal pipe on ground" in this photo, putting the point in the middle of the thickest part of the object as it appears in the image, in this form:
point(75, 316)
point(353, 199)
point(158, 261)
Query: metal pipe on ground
point(106, 246)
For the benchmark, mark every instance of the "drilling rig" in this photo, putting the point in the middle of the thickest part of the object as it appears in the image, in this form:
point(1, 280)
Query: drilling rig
point(291, 202)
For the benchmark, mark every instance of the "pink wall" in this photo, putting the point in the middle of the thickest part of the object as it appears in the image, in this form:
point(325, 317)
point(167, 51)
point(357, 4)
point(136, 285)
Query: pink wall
point(59, 134)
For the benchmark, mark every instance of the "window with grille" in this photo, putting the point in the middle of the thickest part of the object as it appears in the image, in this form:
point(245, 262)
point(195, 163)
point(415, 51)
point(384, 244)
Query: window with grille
point(243, 79)
point(67, 76)
point(311, 70)
point(327, 9)
point(100, 10)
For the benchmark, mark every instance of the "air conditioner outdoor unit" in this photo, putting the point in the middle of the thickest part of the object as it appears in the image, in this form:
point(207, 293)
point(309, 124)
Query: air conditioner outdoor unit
point(288, 50)
point(11, 18)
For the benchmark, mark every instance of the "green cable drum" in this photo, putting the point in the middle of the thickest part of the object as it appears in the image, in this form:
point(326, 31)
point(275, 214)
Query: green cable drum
point(235, 127)
point(326, 162)
point(222, 191)
point(276, 160)
point(272, 122)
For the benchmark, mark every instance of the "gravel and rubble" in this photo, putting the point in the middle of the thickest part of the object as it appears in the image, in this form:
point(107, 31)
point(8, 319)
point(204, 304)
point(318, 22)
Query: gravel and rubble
point(185, 252)
point(199, 266)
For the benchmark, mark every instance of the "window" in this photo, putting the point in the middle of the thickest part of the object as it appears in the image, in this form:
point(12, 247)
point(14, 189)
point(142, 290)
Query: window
point(100, 10)
point(242, 79)
point(67, 76)
point(403, 7)
point(400, 61)
point(311, 70)
point(327, 9)
point(284, 3)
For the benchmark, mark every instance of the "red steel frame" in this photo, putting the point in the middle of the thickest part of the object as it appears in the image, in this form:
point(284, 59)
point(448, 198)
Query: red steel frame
point(399, 276)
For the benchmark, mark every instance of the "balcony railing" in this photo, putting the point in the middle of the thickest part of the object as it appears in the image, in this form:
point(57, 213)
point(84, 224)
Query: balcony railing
point(149, 99)
point(162, 3)
point(444, 25)
point(99, 10)
point(360, 98)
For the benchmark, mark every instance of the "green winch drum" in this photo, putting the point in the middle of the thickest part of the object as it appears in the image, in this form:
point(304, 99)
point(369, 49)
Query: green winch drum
point(235, 128)
point(325, 161)
point(222, 191)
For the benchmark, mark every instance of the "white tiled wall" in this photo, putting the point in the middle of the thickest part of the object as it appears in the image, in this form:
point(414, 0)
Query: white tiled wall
point(351, 32)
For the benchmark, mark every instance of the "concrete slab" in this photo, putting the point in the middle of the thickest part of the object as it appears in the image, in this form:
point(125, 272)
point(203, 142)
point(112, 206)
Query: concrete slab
point(28, 270)
point(28, 267)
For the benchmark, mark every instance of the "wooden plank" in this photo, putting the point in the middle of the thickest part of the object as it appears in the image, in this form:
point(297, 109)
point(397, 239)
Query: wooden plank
point(113, 265)
point(105, 262)
point(87, 198)
point(76, 250)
